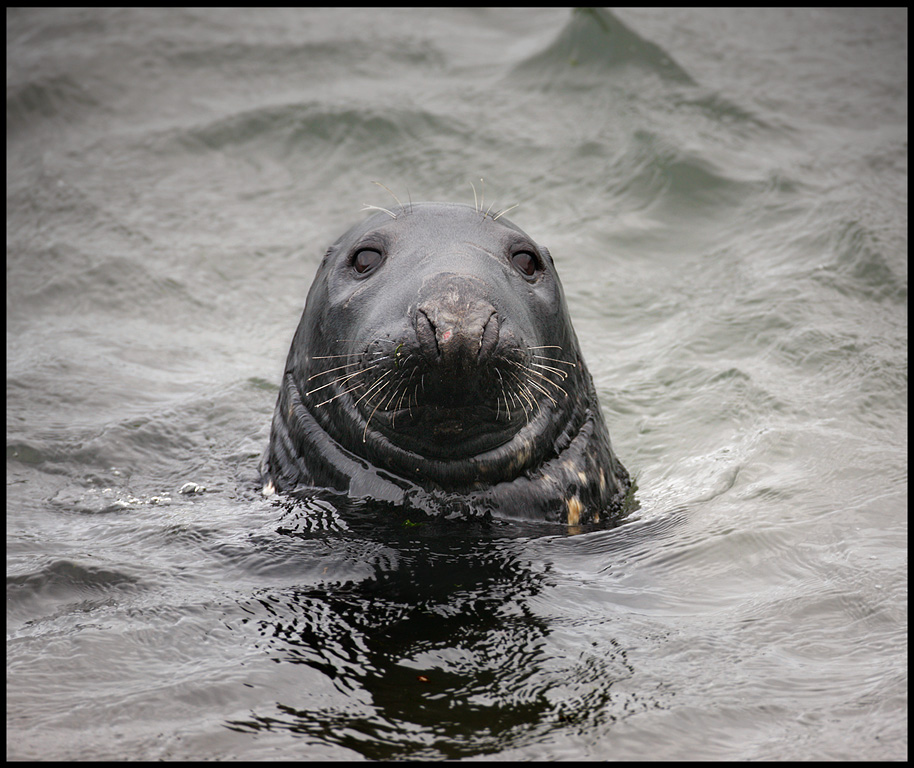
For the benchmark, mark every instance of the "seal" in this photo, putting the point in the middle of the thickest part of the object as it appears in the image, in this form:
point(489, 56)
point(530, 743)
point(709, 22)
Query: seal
point(435, 367)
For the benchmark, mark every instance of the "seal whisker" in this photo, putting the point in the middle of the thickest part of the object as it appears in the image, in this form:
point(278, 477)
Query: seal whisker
point(528, 413)
point(379, 391)
point(506, 210)
point(393, 394)
point(506, 392)
point(373, 412)
point(532, 383)
point(519, 403)
point(384, 186)
point(504, 395)
point(535, 407)
point(402, 395)
point(539, 375)
point(556, 360)
point(545, 393)
point(331, 370)
point(405, 390)
point(514, 399)
point(341, 379)
point(413, 398)
point(378, 381)
point(340, 394)
point(497, 399)
point(367, 207)
point(367, 422)
point(524, 392)
point(556, 371)
point(362, 341)
point(394, 390)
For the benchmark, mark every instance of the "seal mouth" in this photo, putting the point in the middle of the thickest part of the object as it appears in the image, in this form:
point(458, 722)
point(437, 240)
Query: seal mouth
point(443, 406)
point(453, 409)
point(443, 420)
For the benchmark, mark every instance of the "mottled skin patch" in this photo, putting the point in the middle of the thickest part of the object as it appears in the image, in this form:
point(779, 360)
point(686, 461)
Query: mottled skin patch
point(435, 367)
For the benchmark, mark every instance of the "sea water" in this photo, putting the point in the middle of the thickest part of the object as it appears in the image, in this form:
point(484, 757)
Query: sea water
point(724, 192)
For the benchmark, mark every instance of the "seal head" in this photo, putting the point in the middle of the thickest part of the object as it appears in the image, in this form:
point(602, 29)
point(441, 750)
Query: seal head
point(435, 366)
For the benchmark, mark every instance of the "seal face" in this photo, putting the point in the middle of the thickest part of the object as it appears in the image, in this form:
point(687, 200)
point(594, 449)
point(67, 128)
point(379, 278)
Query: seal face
point(435, 367)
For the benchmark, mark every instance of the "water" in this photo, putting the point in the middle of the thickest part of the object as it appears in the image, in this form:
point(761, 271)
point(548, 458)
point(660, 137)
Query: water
point(725, 195)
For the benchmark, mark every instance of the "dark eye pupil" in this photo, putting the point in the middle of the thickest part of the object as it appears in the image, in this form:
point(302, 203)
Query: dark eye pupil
point(525, 262)
point(366, 260)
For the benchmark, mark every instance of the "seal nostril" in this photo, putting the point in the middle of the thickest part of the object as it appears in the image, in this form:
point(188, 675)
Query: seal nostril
point(425, 335)
point(489, 338)
point(453, 331)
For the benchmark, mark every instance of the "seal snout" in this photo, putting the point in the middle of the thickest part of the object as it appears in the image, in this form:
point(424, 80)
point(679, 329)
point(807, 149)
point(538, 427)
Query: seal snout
point(456, 328)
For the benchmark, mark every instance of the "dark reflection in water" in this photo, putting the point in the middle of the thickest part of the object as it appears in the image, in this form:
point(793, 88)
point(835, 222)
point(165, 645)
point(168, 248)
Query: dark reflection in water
point(441, 639)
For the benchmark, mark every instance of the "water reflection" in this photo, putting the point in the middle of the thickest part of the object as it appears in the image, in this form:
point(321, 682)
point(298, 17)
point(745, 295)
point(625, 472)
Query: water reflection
point(440, 652)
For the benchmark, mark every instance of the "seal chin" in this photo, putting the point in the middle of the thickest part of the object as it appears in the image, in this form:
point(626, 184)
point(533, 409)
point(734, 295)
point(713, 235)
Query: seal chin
point(451, 433)
point(449, 455)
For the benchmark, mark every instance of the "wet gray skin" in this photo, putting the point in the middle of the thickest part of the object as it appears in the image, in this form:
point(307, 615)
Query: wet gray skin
point(435, 366)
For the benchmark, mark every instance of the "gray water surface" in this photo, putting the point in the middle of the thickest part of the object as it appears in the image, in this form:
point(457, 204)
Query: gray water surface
point(725, 196)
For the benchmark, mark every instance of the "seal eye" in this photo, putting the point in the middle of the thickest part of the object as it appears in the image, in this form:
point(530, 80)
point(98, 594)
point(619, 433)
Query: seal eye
point(526, 263)
point(366, 260)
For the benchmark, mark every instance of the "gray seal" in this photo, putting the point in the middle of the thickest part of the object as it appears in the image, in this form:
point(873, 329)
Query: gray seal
point(435, 368)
